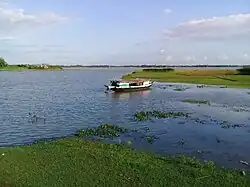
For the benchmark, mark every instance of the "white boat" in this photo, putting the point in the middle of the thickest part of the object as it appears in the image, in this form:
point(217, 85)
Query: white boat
point(129, 85)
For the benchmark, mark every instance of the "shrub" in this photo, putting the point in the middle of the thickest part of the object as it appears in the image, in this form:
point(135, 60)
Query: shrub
point(158, 70)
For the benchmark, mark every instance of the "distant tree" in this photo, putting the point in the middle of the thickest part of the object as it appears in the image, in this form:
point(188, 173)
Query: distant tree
point(3, 63)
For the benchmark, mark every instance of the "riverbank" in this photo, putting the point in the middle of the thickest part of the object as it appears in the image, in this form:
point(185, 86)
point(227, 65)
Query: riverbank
point(28, 67)
point(229, 78)
point(77, 162)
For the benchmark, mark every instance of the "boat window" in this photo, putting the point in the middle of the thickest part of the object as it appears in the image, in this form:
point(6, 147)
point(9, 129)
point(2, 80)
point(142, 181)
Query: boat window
point(133, 84)
point(114, 83)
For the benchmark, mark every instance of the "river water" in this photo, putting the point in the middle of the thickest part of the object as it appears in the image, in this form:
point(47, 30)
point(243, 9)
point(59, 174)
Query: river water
point(66, 101)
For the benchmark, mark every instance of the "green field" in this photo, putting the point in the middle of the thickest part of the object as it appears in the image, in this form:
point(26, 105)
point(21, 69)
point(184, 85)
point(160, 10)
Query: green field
point(28, 67)
point(229, 78)
point(77, 162)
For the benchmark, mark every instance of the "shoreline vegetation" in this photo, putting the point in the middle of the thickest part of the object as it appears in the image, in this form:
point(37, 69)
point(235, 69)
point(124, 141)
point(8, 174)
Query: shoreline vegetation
point(22, 67)
point(153, 66)
point(238, 78)
point(4, 66)
point(78, 161)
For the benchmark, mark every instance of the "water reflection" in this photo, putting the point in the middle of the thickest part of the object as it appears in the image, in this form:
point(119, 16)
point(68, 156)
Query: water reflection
point(129, 95)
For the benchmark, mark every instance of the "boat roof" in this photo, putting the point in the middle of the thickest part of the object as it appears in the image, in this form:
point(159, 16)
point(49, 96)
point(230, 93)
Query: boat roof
point(133, 80)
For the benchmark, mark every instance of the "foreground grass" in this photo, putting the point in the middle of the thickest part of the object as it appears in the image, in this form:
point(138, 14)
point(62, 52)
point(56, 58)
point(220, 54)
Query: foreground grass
point(31, 67)
point(77, 162)
point(225, 77)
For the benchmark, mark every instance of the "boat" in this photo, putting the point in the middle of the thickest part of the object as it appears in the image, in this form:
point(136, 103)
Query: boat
point(129, 85)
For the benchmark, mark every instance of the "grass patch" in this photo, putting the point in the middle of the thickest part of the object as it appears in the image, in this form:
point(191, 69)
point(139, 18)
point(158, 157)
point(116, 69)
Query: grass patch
point(146, 115)
point(229, 78)
point(191, 101)
point(77, 162)
point(103, 131)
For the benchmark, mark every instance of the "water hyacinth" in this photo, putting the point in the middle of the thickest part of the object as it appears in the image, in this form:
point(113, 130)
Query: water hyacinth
point(103, 131)
point(191, 101)
point(142, 116)
point(179, 89)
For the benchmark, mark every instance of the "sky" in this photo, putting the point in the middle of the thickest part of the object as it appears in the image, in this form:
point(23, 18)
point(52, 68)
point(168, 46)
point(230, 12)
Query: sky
point(123, 32)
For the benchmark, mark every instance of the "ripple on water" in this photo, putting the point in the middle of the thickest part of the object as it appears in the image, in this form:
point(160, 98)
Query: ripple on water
point(74, 99)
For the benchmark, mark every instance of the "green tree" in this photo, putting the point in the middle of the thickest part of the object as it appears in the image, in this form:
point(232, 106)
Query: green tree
point(3, 63)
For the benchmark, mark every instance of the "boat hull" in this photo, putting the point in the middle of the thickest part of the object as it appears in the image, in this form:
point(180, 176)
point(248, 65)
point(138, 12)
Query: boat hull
point(117, 89)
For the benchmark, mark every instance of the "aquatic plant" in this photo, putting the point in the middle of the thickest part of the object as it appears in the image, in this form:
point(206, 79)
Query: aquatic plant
point(192, 101)
point(104, 131)
point(181, 142)
point(34, 118)
point(240, 110)
point(151, 138)
point(145, 115)
point(226, 125)
point(179, 89)
point(141, 116)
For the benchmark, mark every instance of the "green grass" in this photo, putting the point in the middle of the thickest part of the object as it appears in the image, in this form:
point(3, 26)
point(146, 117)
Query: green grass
point(77, 162)
point(30, 67)
point(229, 78)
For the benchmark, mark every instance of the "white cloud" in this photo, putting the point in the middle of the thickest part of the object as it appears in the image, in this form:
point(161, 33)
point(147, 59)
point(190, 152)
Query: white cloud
point(12, 19)
point(7, 38)
point(168, 11)
point(216, 27)
point(205, 58)
point(246, 55)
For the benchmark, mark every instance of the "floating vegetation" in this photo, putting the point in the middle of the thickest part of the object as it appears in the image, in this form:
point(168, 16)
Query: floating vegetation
point(34, 118)
point(201, 86)
point(151, 138)
point(181, 142)
point(142, 116)
point(179, 89)
point(129, 143)
point(218, 140)
point(240, 110)
point(192, 101)
point(226, 125)
point(199, 151)
point(112, 131)
point(103, 131)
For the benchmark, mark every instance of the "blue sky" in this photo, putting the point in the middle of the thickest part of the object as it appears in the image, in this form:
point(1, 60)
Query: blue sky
point(125, 32)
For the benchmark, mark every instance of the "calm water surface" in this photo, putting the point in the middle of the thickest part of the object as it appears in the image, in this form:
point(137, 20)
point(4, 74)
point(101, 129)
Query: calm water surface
point(66, 101)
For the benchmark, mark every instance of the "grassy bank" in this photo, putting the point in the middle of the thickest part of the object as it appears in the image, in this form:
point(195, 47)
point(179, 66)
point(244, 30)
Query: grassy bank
point(229, 78)
point(78, 162)
point(28, 67)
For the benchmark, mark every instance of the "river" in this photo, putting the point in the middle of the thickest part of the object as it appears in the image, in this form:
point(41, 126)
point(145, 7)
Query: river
point(66, 101)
